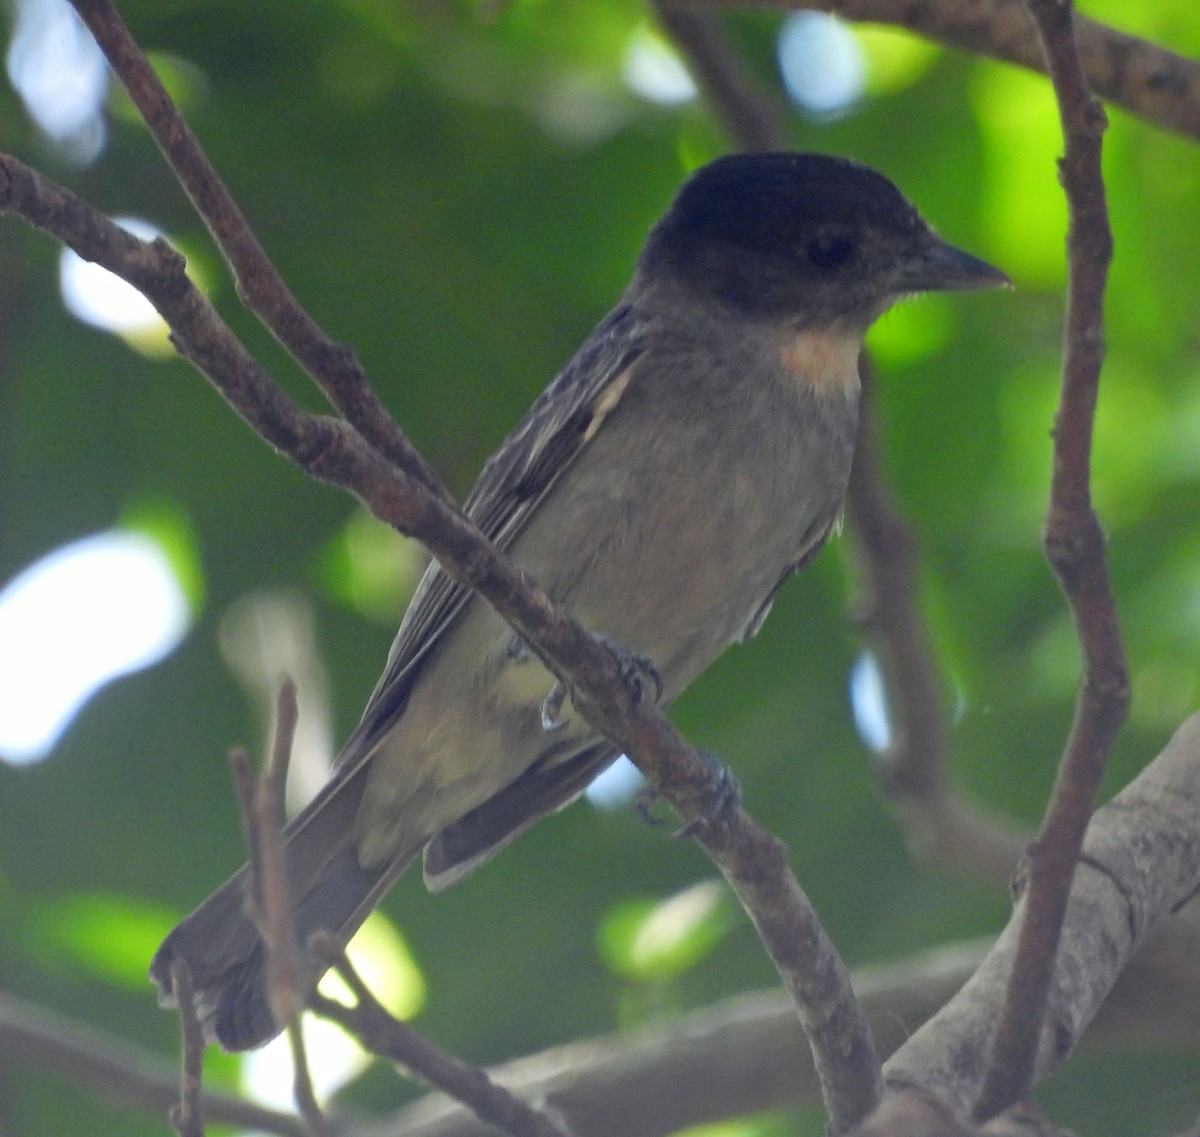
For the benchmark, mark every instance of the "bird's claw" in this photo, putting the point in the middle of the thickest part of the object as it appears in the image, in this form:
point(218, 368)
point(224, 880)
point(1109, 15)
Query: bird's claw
point(637, 672)
point(552, 716)
point(721, 798)
point(636, 669)
point(644, 802)
point(517, 650)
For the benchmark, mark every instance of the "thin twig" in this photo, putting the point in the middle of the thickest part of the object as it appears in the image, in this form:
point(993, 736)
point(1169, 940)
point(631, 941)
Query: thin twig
point(1158, 85)
point(744, 110)
point(270, 901)
point(387, 1037)
point(186, 1117)
point(287, 976)
point(331, 365)
point(1074, 544)
point(914, 768)
point(302, 1084)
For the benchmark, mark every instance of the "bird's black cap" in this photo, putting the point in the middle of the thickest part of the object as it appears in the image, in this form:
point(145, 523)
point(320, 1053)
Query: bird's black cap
point(808, 236)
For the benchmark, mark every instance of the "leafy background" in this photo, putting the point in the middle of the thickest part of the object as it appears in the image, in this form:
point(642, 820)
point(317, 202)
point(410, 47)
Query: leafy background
point(459, 193)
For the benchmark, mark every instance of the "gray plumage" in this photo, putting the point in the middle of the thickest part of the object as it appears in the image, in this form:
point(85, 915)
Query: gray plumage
point(692, 455)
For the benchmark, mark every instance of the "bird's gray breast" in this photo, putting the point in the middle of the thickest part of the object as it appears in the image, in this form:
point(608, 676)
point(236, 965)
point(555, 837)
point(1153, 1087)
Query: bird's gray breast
point(714, 474)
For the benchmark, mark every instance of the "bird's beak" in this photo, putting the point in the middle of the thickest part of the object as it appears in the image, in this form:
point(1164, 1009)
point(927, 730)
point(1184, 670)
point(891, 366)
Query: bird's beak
point(940, 267)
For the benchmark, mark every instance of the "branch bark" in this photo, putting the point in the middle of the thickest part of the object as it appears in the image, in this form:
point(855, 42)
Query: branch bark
point(747, 114)
point(1141, 859)
point(1157, 85)
point(1074, 544)
point(332, 366)
point(85, 1056)
point(368, 455)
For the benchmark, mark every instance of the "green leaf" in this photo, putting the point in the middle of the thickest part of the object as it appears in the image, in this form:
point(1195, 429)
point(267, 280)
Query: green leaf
point(659, 940)
point(109, 934)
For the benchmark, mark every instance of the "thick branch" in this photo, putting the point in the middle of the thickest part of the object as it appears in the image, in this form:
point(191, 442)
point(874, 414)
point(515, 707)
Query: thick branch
point(742, 1055)
point(1141, 859)
point(1141, 77)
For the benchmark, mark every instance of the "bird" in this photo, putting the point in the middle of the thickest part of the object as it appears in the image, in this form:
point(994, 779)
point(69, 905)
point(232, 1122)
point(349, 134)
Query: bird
point(691, 457)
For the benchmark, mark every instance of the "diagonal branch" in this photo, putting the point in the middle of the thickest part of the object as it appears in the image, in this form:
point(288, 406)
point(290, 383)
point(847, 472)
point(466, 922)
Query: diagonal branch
point(387, 1037)
point(1147, 80)
point(1074, 544)
point(261, 288)
point(75, 1050)
point(745, 111)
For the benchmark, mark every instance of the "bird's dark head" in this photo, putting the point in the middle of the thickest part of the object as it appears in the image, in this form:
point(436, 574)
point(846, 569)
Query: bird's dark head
point(807, 238)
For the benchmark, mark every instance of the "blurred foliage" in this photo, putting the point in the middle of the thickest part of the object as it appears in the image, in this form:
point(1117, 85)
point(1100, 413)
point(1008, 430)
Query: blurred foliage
point(458, 190)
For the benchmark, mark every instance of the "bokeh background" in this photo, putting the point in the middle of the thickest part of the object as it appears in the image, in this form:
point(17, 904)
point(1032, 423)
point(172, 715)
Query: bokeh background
point(459, 190)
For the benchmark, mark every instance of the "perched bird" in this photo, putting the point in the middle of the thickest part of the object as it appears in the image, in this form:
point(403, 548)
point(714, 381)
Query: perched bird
point(690, 457)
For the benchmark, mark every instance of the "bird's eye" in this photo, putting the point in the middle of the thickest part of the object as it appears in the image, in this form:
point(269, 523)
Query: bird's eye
point(830, 250)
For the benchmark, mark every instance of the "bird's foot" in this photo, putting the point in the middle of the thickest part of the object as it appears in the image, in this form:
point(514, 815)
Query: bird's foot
point(722, 797)
point(644, 802)
point(721, 794)
point(552, 708)
point(517, 650)
point(638, 672)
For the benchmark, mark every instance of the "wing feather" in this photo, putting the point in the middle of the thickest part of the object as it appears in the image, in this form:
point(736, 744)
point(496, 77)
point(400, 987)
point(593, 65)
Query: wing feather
point(515, 479)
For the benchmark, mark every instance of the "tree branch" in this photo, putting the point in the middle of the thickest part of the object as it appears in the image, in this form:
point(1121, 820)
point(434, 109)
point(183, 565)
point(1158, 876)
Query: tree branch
point(747, 114)
point(332, 366)
point(1141, 858)
point(117, 1070)
point(1147, 80)
point(269, 897)
point(187, 1116)
point(742, 1055)
point(387, 1037)
point(1074, 544)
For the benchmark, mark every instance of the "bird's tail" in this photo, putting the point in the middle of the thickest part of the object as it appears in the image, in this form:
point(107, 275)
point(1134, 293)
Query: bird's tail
point(329, 889)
